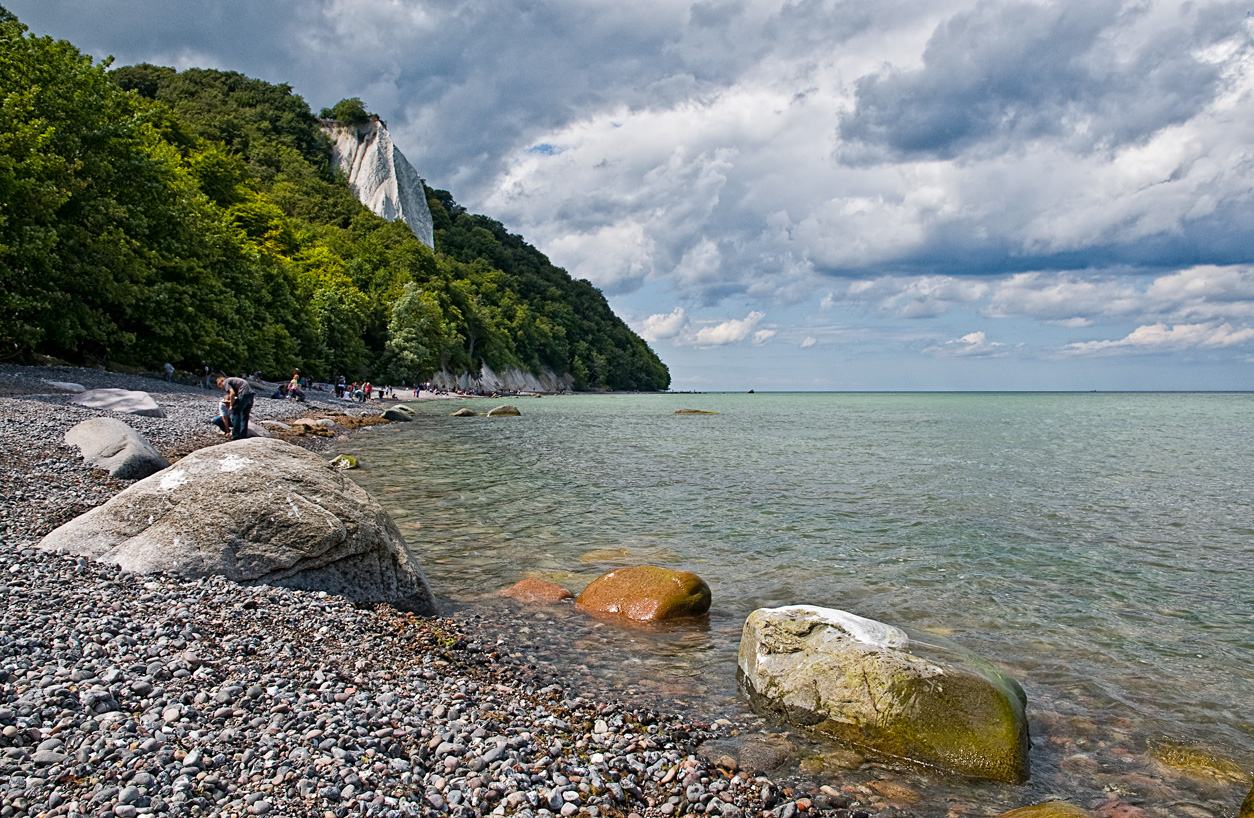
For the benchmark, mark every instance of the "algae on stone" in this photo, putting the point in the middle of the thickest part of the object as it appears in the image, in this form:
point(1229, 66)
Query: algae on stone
point(1049, 809)
point(852, 678)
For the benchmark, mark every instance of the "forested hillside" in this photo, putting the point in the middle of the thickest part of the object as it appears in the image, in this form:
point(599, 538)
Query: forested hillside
point(149, 215)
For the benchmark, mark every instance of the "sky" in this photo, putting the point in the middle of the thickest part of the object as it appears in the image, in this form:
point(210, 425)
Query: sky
point(813, 194)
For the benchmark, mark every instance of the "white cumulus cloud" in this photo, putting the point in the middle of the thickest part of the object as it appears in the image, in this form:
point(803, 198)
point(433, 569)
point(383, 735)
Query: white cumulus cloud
point(663, 325)
point(1162, 338)
point(728, 332)
point(973, 344)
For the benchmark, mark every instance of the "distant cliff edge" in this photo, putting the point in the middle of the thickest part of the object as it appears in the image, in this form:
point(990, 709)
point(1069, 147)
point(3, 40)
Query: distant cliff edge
point(380, 176)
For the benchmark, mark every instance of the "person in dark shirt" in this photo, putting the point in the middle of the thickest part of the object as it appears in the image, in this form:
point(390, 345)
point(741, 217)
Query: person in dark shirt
point(240, 397)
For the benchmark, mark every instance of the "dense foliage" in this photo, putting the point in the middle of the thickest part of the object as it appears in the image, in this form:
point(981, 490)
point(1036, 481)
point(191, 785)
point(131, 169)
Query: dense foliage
point(150, 215)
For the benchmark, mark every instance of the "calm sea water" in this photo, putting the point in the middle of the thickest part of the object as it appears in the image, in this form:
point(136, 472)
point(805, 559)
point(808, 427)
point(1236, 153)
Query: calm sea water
point(1096, 546)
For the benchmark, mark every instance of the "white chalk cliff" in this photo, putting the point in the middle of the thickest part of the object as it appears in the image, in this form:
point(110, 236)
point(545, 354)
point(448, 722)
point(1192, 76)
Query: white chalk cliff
point(380, 175)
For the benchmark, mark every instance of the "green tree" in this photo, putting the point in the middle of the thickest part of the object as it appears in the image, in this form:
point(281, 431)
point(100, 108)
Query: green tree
point(348, 112)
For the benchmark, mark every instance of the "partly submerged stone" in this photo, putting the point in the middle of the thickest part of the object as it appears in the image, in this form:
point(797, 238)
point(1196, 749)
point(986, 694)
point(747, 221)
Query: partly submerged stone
point(752, 753)
point(694, 412)
point(464, 413)
point(122, 401)
point(647, 593)
point(1247, 808)
point(109, 444)
point(536, 591)
point(505, 411)
point(399, 413)
point(1049, 809)
point(344, 461)
point(256, 511)
point(852, 678)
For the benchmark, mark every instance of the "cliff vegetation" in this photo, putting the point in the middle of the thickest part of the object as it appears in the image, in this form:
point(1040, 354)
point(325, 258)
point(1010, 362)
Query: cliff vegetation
point(150, 215)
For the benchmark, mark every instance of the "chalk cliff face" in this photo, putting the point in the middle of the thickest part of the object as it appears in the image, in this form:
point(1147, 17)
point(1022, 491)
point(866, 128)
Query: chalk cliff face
point(380, 175)
point(508, 379)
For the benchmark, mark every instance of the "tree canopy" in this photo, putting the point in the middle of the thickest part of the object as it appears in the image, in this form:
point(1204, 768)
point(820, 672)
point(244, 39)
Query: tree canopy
point(150, 215)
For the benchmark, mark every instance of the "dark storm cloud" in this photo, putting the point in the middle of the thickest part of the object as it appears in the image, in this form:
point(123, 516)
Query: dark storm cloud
point(1000, 75)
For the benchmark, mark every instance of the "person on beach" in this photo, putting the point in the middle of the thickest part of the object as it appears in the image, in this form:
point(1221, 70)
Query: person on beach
point(169, 371)
point(239, 396)
point(223, 419)
point(204, 376)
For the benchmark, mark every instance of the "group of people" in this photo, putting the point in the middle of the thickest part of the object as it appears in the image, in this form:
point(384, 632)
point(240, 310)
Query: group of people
point(361, 392)
point(236, 405)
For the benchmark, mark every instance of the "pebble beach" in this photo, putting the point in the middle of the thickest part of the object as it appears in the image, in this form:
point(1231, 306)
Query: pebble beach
point(125, 695)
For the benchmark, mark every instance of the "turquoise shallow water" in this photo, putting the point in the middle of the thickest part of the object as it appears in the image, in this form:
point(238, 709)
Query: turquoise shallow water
point(1097, 546)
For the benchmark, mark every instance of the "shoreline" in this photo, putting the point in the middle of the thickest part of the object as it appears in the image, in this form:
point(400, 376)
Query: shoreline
point(130, 695)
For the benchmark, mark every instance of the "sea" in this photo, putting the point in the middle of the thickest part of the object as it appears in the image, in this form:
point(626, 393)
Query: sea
point(1096, 546)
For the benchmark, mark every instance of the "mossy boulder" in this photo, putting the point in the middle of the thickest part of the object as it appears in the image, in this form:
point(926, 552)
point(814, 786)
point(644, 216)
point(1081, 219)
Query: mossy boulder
point(464, 413)
point(852, 678)
point(1049, 809)
point(1247, 809)
point(506, 411)
point(646, 593)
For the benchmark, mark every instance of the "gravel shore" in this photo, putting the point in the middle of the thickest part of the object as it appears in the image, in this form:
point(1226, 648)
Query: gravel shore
point(125, 695)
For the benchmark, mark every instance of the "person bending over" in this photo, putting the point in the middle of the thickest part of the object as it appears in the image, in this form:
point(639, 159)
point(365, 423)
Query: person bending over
point(239, 396)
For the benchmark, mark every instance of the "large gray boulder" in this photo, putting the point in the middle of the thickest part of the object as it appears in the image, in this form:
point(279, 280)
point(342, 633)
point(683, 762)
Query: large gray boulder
point(853, 678)
point(256, 511)
point(400, 412)
point(122, 401)
point(108, 443)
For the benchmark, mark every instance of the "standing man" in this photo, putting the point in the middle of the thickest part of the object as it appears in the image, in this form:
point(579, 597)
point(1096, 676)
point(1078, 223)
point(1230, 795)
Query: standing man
point(239, 396)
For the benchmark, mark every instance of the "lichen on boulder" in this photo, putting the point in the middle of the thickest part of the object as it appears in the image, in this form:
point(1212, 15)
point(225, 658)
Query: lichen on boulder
point(646, 593)
point(852, 678)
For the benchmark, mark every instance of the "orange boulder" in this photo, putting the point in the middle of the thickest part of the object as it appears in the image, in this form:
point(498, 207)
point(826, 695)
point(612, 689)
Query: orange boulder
point(536, 591)
point(646, 593)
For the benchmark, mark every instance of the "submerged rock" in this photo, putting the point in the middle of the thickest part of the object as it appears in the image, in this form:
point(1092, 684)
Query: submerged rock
point(756, 754)
point(1196, 761)
point(694, 412)
point(122, 401)
point(852, 678)
point(536, 591)
point(647, 593)
point(505, 411)
point(1049, 809)
point(108, 443)
point(256, 511)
